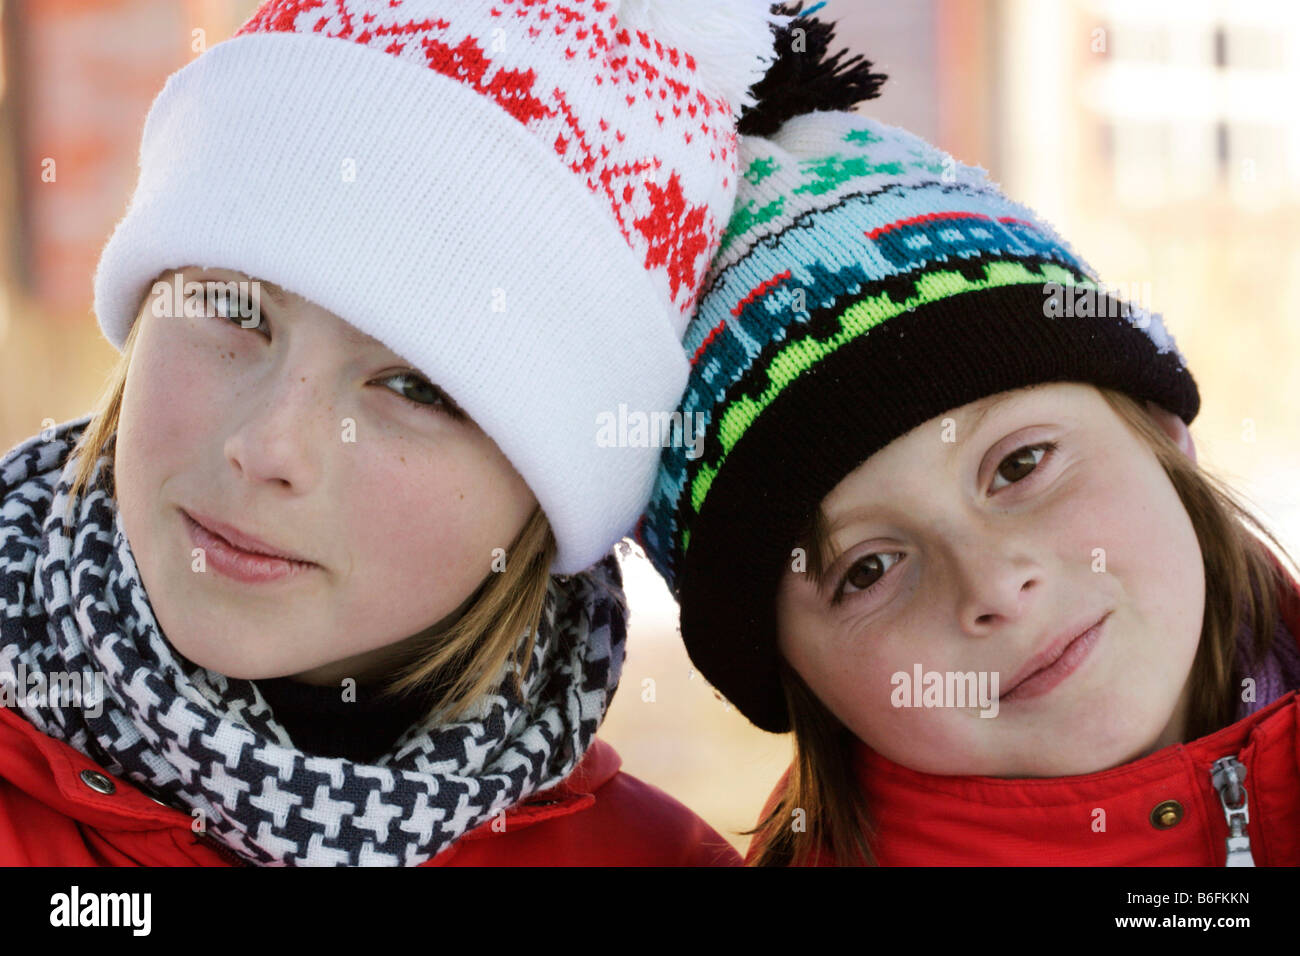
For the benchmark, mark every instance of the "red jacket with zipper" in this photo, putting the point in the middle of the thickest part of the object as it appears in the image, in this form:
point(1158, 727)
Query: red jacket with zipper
point(598, 816)
point(1107, 818)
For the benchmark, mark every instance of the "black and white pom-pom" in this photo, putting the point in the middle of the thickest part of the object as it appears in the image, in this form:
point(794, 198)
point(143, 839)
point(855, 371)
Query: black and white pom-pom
point(808, 77)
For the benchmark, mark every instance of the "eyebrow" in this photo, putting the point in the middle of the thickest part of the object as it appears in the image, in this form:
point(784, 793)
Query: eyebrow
point(981, 415)
point(1006, 398)
point(350, 334)
point(824, 539)
point(278, 295)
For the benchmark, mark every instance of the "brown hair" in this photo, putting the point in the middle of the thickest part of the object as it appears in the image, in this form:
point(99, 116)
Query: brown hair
point(1242, 583)
point(456, 666)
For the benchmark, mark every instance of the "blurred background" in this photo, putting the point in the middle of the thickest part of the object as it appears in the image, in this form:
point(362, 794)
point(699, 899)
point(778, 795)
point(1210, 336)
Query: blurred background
point(1161, 137)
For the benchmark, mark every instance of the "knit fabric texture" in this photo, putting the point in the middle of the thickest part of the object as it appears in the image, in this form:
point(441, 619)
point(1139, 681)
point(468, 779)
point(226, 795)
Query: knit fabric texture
point(866, 283)
point(1278, 673)
point(520, 197)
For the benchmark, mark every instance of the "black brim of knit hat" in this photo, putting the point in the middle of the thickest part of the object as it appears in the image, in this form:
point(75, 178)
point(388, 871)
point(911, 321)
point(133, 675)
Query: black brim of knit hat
point(851, 404)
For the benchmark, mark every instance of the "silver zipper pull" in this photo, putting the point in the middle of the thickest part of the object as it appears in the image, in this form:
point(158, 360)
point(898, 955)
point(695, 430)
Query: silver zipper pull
point(1229, 778)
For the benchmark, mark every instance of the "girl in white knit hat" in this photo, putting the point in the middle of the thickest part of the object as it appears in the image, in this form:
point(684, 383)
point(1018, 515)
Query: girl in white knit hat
point(330, 559)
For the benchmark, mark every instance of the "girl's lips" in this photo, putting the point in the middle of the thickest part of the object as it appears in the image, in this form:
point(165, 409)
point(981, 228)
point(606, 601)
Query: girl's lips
point(241, 565)
point(1042, 681)
point(241, 541)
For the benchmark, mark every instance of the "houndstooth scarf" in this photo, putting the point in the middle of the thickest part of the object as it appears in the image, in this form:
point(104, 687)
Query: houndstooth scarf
point(76, 607)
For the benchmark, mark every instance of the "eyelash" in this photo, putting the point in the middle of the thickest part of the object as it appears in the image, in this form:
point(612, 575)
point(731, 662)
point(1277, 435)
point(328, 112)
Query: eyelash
point(443, 403)
point(1048, 448)
point(838, 597)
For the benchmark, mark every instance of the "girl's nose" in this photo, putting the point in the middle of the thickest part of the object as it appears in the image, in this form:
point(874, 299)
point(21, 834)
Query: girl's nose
point(281, 432)
point(997, 582)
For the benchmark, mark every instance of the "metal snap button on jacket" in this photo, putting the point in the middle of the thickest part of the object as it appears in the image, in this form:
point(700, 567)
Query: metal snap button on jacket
point(97, 781)
point(1166, 814)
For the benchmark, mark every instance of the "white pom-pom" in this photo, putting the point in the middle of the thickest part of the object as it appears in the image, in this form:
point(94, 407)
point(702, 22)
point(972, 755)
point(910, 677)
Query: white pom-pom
point(731, 40)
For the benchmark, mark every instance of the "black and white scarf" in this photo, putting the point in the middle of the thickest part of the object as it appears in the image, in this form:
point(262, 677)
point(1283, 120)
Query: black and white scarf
point(76, 606)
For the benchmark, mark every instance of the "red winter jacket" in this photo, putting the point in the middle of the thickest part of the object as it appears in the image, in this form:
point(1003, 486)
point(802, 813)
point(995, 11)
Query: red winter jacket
point(598, 816)
point(1161, 810)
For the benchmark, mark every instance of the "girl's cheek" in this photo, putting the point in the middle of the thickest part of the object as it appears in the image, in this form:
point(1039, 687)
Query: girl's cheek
point(857, 669)
point(935, 739)
point(1118, 516)
point(174, 389)
point(1085, 521)
point(433, 505)
point(402, 502)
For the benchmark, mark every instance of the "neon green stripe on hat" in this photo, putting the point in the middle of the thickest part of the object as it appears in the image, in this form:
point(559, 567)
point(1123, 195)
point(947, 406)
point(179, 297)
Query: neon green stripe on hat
point(801, 354)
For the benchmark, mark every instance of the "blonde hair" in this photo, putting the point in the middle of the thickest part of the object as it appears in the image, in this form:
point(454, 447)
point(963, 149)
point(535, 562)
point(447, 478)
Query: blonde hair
point(1242, 582)
point(455, 667)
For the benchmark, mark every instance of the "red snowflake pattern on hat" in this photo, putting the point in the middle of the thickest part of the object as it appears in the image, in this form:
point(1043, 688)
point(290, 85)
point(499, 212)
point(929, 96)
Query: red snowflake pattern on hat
point(620, 108)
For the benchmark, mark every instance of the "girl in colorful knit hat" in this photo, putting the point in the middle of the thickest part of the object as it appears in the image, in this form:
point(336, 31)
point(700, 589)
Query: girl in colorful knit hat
point(947, 526)
point(325, 579)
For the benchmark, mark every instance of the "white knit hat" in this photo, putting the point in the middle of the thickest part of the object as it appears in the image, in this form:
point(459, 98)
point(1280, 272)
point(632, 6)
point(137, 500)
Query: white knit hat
point(519, 197)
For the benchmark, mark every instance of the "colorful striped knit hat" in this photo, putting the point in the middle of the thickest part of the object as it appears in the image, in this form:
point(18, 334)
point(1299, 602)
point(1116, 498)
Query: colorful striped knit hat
point(519, 197)
point(865, 284)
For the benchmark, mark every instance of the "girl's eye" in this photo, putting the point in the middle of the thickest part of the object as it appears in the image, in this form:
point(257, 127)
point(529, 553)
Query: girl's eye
point(221, 305)
point(865, 574)
point(1021, 463)
point(423, 394)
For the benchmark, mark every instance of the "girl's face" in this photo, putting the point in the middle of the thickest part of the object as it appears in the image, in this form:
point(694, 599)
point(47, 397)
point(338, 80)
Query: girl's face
point(967, 546)
point(322, 443)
